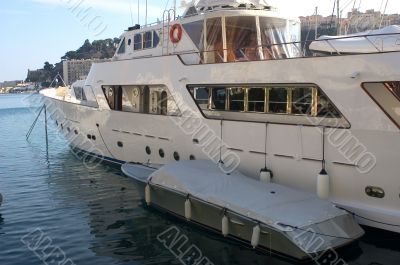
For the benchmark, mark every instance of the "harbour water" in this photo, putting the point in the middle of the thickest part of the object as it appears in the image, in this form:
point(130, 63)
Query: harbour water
point(59, 210)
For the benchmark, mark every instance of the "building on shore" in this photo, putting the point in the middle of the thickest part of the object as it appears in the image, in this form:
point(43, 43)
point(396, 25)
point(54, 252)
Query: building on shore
point(356, 21)
point(74, 70)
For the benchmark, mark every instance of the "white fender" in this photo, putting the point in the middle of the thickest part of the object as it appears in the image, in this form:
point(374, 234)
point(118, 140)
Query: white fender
point(147, 194)
point(255, 238)
point(265, 176)
point(323, 185)
point(225, 226)
point(188, 209)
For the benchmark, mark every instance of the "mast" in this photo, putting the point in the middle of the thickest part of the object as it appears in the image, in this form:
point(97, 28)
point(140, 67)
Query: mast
point(338, 17)
point(316, 22)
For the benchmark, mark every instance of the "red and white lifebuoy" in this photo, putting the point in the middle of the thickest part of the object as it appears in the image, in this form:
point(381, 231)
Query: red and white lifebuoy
point(175, 34)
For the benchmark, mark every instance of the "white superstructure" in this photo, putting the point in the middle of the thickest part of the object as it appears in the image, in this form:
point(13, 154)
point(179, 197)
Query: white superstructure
point(231, 82)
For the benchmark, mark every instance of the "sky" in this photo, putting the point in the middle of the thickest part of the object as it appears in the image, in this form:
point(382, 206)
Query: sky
point(35, 31)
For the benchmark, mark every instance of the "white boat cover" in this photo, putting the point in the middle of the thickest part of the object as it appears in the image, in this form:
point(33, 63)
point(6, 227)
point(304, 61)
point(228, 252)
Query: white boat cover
point(266, 202)
point(382, 40)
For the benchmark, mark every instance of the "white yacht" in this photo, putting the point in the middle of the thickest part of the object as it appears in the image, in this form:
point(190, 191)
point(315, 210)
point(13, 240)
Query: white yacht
point(230, 81)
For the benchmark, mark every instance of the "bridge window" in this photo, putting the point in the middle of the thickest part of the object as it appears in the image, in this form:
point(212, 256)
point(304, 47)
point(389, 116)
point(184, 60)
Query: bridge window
point(148, 40)
point(237, 103)
point(137, 42)
point(121, 48)
point(141, 99)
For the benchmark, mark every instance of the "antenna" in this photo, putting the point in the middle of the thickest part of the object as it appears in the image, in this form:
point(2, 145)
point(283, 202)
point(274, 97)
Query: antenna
point(174, 9)
point(138, 11)
point(316, 22)
point(220, 145)
point(145, 19)
point(130, 8)
point(266, 143)
point(383, 14)
point(323, 149)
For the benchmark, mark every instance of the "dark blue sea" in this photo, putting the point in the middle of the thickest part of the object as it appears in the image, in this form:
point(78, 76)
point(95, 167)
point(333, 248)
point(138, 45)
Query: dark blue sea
point(59, 210)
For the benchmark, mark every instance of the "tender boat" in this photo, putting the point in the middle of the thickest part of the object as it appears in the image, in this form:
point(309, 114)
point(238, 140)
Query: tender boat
point(266, 216)
point(229, 81)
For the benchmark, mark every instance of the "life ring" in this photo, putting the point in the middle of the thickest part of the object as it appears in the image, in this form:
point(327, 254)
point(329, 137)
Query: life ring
point(175, 34)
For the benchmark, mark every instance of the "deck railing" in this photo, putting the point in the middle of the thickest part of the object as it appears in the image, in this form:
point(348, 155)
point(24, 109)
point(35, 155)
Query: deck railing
point(373, 43)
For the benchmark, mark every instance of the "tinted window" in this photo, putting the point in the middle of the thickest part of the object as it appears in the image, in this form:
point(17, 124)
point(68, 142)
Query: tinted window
point(147, 40)
point(137, 42)
point(121, 48)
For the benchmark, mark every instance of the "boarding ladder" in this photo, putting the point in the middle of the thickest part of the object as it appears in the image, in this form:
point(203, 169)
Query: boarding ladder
point(168, 13)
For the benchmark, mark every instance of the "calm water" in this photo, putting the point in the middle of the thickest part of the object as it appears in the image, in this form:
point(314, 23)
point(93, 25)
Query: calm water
point(96, 216)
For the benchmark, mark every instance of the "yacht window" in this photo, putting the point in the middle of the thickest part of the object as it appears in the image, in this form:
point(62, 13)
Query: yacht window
point(278, 100)
point(137, 42)
point(156, 39)
point(148, 40)
point(218, 98)
point(302, 100)
point(214, 46)
point(236, 99)
point(202, 96)
point(274, 32)
point(141, 99)
point(131, 98)
point(195, 32)
point(252, 103)
point(121, 48)
point(387, 96)
point(241, 38)
point(394, 87)
point(79, 93)
point(257, 99)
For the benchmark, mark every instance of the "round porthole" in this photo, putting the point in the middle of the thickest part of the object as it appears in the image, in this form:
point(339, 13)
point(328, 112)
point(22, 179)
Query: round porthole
point(76, 132)
point(93, 137)
point(176, 156)
point(120, 144)
point(161, 153)
point(148, 150)
point(89, 136)
point(192, 157)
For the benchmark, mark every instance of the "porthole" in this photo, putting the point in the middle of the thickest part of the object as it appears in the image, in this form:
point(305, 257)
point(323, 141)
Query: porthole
point(161, 153)
point(89, 136)
point(192, 157)
point(93, 137)
point(375, 192)
point(120, 144)
point(148, 150)
point(76, 132)
point(176, 156)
